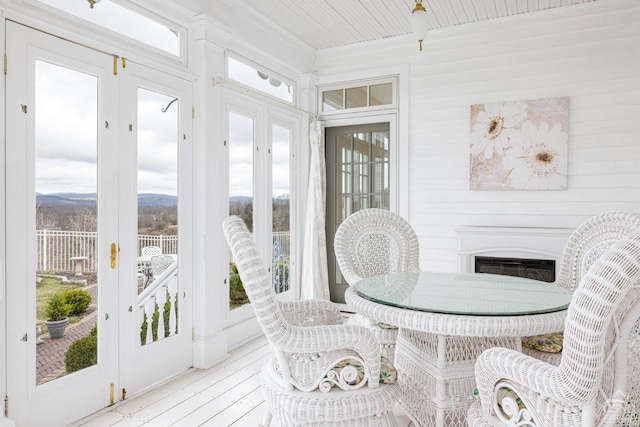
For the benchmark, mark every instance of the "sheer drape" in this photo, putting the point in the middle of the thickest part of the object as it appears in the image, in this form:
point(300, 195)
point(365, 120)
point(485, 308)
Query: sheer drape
point(315, 278)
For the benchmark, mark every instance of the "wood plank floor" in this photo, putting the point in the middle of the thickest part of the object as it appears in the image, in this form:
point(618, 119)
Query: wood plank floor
point(227, 394)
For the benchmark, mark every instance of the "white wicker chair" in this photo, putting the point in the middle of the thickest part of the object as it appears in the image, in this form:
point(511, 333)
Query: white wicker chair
point(371, 242)
point(598, 379)
point(585, 245)
point(149, 251)
point(308, 339)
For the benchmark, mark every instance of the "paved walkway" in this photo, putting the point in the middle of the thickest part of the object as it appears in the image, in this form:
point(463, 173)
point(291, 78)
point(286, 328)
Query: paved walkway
point(50, 352)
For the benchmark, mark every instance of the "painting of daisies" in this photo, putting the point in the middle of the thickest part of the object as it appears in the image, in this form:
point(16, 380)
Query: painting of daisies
point(520, 145)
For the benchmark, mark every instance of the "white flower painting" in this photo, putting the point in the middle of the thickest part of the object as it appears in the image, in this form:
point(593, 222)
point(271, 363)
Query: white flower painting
point(520, 145)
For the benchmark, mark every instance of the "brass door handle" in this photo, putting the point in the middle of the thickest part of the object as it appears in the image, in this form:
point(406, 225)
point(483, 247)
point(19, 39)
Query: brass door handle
point(114, 254)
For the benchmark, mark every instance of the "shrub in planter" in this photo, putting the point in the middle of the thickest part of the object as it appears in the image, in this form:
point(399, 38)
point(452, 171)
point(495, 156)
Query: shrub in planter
point(78, 300)
point(57, 314)
point(82, 353)
point(57, 308)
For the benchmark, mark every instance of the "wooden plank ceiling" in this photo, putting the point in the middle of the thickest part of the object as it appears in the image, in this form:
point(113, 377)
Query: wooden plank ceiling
point(331, 23)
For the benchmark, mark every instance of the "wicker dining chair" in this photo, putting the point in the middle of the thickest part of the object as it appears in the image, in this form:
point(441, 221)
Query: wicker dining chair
point(371, 242)
point(322, 372)
point(598, 379)
point(585, 246)
point(149, 251)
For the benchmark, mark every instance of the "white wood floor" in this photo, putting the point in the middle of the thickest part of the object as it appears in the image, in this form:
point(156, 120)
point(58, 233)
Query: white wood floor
point(227, 394)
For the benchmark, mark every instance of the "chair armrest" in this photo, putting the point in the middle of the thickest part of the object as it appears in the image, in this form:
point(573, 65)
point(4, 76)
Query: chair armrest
point(526, 373)
point(311, 312)
point(335, 337)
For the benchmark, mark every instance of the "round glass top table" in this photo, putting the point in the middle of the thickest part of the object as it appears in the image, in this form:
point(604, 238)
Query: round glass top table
point(444, 321)
point(464, 294)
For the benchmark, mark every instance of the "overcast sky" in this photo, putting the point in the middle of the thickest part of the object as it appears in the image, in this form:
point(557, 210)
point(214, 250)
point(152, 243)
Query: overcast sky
point(66, 119)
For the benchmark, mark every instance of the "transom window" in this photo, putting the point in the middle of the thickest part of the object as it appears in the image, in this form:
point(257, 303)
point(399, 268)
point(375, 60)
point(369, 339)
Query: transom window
point(262, 80)
point(122, 20)
point(358, 96)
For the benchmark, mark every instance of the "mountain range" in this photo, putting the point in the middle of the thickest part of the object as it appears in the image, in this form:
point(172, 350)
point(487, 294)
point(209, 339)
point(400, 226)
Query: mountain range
point(89, 199)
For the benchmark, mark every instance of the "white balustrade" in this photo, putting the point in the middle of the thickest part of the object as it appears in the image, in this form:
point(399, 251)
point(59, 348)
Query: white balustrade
point(163, 288)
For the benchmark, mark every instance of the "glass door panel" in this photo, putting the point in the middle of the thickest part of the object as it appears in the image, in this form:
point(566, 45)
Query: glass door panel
point(281, 207)
point(157, 239)
point(357, 173)
point(66, 198)
point(241, 193)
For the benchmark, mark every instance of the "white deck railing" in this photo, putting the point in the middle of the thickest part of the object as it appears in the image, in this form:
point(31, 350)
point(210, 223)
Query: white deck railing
point(55, 248)
point(160, 295)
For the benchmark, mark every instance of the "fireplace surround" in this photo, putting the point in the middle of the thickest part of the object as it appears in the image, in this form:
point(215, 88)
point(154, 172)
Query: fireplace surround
point(523, 244)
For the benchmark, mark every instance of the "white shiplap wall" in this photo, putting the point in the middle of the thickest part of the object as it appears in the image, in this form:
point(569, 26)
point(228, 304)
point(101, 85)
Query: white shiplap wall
point(589, 52)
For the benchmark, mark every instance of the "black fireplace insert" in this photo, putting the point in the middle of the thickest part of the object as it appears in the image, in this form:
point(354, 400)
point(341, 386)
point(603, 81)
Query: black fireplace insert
point(537, 269)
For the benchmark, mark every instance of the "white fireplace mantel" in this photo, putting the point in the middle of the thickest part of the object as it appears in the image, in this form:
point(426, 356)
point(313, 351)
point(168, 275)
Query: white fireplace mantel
point(510, 242)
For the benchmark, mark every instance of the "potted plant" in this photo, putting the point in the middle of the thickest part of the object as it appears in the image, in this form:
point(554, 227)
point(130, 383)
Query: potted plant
point(57, 312)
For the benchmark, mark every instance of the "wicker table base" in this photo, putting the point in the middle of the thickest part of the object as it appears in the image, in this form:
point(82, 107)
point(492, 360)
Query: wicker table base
point(436, 375)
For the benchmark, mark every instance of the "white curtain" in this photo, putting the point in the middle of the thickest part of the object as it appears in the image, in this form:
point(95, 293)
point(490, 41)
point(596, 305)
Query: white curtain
point(315, 277)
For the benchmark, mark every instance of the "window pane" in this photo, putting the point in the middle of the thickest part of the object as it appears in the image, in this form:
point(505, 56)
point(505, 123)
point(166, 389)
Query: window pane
point(357, 97)
point(66, 185)
point(380, 94)
point(241, 135)
point(124, 21)
point(257, 79)
point(343, 179)
point(157, 178)
point(380, 146)
point(281, 192)
point(332, 100)
point(343, 148)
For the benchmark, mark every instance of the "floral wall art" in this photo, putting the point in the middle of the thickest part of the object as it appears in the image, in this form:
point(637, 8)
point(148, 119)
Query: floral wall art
point(520, 145)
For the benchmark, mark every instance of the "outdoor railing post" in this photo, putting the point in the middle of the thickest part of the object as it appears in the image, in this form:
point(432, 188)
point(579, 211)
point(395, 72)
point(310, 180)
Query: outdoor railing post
point(44, 250)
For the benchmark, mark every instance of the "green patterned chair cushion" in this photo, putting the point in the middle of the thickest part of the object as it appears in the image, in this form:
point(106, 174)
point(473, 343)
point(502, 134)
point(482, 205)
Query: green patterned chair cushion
point(388, 373)
point(385, 326)
point(548, 343)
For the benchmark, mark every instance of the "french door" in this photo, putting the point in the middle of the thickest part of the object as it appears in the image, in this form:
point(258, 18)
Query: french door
point(84, 145)
point(358, 177)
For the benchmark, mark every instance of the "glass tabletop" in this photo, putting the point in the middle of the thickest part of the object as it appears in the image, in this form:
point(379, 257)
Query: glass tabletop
point(476, 294)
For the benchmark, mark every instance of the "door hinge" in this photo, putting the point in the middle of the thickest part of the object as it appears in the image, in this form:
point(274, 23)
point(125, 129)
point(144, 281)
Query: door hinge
point(5, 65)
point(6, 406)
point(193, 109)
point(111, 390)
point(124, 393)
point(115, 65)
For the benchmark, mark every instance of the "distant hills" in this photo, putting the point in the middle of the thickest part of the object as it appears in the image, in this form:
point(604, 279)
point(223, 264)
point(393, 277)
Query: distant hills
point(144, 199)
point(89, 199)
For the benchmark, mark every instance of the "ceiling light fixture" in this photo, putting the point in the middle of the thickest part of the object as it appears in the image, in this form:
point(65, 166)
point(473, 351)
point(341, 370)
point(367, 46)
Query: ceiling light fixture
point(92, 2)
point(419, 22)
